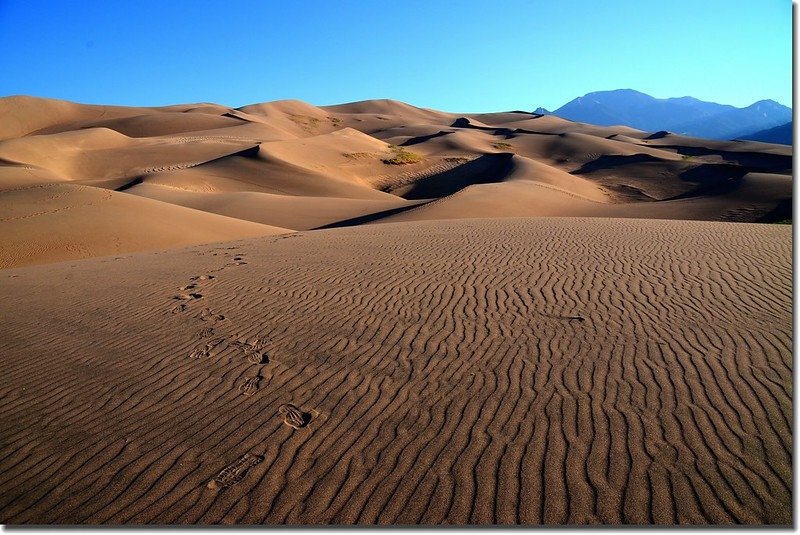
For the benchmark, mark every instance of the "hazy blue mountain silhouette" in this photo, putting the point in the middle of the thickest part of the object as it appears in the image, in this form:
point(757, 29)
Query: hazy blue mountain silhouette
point(684, 115)
point(780, 134)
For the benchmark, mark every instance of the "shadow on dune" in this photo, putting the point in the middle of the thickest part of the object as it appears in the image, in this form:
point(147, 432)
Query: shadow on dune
point(464, 122)
point(754, 161)
point(782, 212)
point(610, 161)
point(706, 179)
point(232, 116)
point(128, 185)
point(484, 170)
point(423, 139)
point(369, 218)
point(711, 179)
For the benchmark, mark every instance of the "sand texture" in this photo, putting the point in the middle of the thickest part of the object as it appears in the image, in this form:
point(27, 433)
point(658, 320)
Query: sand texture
point(486, 371)
point(286, 166)
point(374, 313)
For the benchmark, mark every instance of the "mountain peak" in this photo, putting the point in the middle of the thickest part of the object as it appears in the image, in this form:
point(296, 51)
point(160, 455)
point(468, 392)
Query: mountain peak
point(768, 103)
point(684, 115)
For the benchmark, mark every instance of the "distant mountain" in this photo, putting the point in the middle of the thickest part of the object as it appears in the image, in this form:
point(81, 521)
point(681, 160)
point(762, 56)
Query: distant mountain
point(780, 134)
point(684, 115)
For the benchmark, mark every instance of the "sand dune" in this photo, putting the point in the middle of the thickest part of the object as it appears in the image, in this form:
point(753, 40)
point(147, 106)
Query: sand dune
point(288, 211)
point(297, 166)
point(374, 313)
point(57, 222)
point(153, 125)
point(510, 371)
point(23, 115)
point(104, 153)
point(750, 198)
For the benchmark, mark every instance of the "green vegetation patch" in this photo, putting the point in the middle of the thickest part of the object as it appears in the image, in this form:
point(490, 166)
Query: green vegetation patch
point(357, 155)
point(400, 156)
point(503, 146)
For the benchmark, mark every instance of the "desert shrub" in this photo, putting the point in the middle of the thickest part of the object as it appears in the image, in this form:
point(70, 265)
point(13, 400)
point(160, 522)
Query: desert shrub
point(400, 156)
point(357, 155)
point(503, 146)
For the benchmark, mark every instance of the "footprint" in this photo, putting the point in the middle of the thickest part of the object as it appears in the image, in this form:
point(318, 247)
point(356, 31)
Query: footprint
point(207, 332)
point(187, 287)
point(257, 357)
point(235, 472)
point(214, 342)
point(188, 296)
point(207, 315)
point(200, 353)
point(250, 386)
point(294, 417)
point(257, 343)
point(253, 350)
point(178, 308)
point(202, 278)
point(203, 352)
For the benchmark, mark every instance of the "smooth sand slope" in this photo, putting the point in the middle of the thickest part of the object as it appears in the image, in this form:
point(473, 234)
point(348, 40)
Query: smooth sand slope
point(512, 371)
point(73, 221)
point(295, 166)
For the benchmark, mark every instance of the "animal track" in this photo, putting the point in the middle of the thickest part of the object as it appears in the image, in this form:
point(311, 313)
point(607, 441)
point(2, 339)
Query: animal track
point(178, 308)
point(202, 278)
point(187, 287)
point(250, 386)
point(235, 472)
point(293, 416)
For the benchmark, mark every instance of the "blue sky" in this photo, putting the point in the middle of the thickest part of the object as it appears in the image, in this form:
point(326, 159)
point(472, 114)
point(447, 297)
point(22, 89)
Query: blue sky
point(464, 55)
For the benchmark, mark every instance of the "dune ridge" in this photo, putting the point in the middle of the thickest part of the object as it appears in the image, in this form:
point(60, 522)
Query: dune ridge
point(378, 314)
point(296, 166)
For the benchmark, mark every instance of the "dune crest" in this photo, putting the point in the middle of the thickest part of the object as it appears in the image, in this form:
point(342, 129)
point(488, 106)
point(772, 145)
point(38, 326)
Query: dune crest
point(379, 314)
point(296, 166)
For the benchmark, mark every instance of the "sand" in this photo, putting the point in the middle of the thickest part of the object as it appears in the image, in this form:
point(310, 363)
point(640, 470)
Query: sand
point(511, 371)
point(291, 166)
point(374, 313)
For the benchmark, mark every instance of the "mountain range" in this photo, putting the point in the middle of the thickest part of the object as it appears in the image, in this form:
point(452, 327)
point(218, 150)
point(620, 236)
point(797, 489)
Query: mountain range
point(778, 134)
point(684, 115)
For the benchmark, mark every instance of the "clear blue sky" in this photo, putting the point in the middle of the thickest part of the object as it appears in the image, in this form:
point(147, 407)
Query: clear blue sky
point(451, 55)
